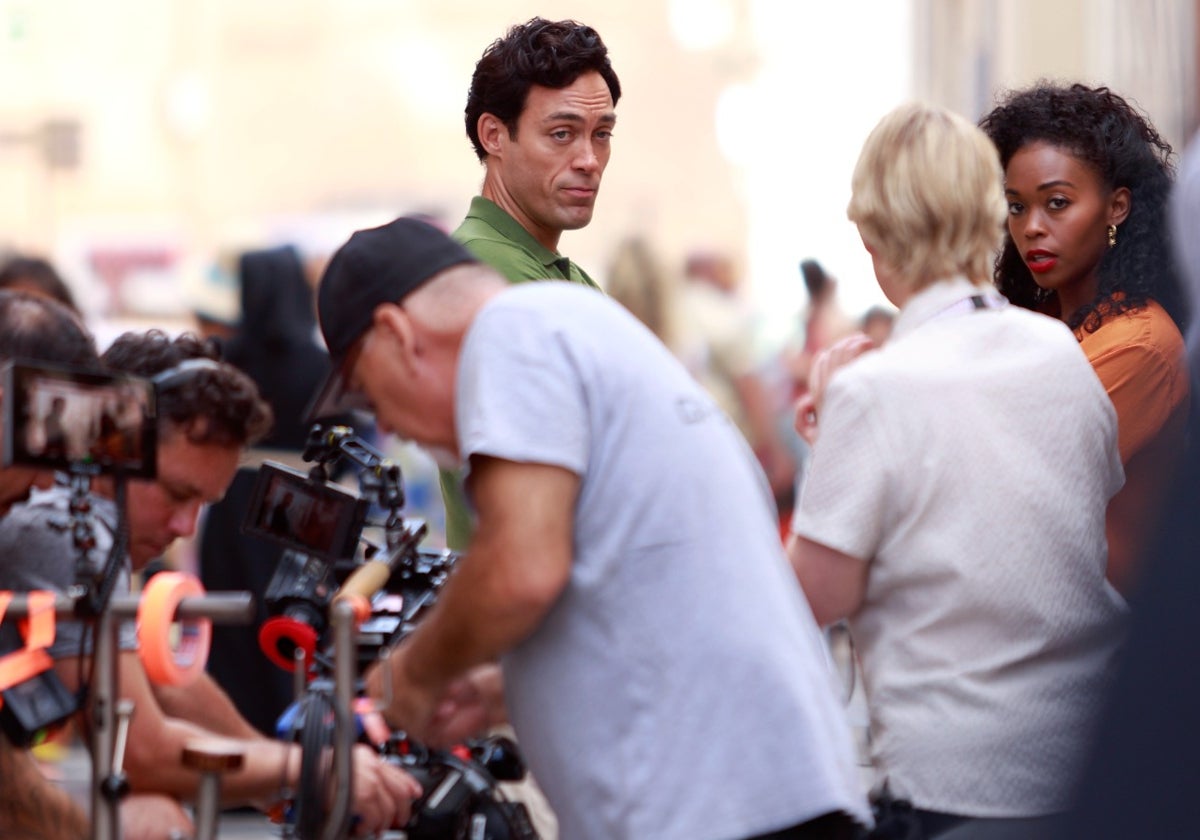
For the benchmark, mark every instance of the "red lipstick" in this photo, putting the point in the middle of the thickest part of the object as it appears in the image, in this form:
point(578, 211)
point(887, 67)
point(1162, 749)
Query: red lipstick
point(1040, 261)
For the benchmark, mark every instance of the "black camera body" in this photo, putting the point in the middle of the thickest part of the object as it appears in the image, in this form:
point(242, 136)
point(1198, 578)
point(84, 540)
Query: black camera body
point(297, 599)
point(461, 796)
point(35, 705)
point(301, 591)
point(84, 422)
point(302, 587)
point(320, 524)
point(460, 799)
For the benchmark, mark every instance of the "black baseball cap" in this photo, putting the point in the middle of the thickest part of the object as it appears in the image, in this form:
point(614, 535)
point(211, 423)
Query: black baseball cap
point(376, 265)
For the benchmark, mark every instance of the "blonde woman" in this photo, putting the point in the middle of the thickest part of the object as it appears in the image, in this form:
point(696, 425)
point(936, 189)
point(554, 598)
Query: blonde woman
point(946, 515)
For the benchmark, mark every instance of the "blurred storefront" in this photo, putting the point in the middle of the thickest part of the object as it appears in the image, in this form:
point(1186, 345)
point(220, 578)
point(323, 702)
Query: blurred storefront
point(139, 138)
point(1144, 49)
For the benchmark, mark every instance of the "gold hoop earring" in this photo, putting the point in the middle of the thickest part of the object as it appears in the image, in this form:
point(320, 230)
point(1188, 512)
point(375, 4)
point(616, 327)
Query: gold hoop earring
point(1112, 236)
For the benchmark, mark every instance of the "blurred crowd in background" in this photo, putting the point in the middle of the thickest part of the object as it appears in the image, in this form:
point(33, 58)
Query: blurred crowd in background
point(149, 146)
point(259, 305)
point(746, 294)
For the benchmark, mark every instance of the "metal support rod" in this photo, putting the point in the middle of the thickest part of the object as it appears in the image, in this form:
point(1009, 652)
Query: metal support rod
point(124, 713)
point(211, 758)
point(208, 804)
point(105, 810)
point(299, 673)
point(344, 656)
point(220, 607)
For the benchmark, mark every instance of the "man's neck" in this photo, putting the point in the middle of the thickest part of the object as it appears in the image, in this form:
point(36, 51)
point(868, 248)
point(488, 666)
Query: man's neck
point(495, 192)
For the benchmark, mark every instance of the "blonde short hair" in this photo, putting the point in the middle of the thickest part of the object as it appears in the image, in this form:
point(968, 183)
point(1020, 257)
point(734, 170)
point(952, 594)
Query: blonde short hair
point(928, 196)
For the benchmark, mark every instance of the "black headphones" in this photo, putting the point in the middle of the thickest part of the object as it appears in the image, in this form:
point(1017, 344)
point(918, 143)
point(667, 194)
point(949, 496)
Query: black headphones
point(183, 371)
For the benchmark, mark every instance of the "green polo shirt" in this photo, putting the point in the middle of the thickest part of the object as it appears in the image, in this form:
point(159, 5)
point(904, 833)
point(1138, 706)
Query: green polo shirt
point(498, 239)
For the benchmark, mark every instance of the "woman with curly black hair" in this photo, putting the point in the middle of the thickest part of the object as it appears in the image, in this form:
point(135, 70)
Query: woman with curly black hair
point(1087, 180)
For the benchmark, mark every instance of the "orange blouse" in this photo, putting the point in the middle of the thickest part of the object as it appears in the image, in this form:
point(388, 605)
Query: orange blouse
point(1140, 359)
point(1142, 363)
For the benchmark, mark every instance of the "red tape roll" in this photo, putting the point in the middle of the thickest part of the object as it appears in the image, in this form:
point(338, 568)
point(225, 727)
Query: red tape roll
point(280, 636)
point(171, 658)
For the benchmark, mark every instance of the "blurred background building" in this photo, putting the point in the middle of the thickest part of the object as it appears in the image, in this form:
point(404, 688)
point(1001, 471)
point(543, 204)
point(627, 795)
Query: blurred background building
point(138, 138)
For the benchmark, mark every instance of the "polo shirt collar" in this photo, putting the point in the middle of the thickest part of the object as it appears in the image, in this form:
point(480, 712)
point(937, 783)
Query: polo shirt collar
point(491, 214)
point(934, 299)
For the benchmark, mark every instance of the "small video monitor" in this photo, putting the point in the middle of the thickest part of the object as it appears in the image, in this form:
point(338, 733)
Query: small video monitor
point(78, 420)
point(317, 518)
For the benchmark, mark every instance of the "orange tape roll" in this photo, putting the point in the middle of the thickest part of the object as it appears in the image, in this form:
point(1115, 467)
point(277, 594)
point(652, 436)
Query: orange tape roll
point(38, 631)
point(171, 658)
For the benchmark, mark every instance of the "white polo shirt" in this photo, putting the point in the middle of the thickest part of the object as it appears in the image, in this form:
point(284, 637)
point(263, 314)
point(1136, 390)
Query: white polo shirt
point(970, 462)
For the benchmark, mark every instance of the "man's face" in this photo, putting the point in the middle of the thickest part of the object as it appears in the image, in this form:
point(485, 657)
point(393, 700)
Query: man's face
point(189, 475)
point(410, 394)
point(550, 172)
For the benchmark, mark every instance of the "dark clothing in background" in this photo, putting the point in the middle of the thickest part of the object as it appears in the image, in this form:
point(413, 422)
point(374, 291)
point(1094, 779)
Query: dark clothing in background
point(276, 341)
point(275, 344)
point(1143, 773)
point(232, 561)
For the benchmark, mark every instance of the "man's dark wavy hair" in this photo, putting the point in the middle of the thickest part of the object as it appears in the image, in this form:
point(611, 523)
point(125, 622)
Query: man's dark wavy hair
point(39, 329)
point(1103, 130)
point(36, 273)
point(211, 405)
point(552, 54)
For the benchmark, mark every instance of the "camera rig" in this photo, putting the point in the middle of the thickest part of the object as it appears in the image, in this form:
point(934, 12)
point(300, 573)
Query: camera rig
point(335, 610)
point(84, 423)
point(87, 423)
point(322, 527)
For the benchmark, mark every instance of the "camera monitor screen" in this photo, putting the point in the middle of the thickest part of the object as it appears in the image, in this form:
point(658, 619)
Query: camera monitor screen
point(320, 519)
point(65, 418)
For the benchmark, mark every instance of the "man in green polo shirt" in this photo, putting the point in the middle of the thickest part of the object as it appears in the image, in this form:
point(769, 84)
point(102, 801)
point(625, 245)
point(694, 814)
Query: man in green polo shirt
point(540, 114)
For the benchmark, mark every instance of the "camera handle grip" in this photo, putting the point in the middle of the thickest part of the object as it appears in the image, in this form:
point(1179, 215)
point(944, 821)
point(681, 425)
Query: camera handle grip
point(362, 583)
point(373, 575)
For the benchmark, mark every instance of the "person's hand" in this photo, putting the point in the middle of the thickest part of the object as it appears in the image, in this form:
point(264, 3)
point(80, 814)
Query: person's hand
point(828, 362)
point(383, 793)
point(403, 703)
point(832, 359)
point(469, 707)
point(153, 816)
point(806, 418)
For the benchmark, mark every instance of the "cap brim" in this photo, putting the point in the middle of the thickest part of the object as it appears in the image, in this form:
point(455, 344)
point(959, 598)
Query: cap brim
point(335, 399)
